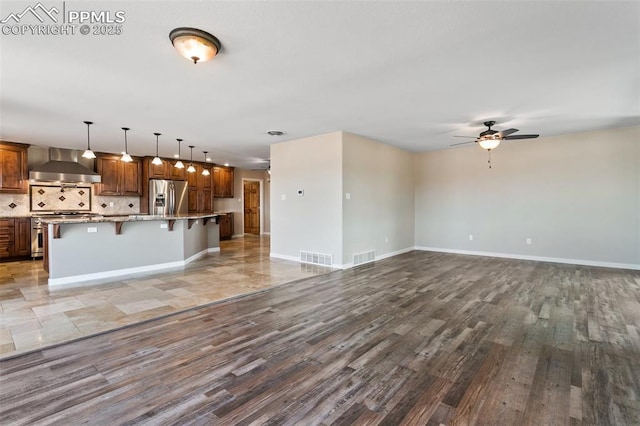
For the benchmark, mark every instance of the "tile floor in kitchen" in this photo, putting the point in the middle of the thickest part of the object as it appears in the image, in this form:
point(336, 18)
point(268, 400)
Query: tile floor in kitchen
point(33, 315)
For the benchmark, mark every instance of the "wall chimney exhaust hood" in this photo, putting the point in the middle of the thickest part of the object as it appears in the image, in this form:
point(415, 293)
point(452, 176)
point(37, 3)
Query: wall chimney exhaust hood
point(63, 167)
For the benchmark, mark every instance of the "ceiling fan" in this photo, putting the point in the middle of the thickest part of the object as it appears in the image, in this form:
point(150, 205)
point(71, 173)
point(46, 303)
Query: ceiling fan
point(490, 139)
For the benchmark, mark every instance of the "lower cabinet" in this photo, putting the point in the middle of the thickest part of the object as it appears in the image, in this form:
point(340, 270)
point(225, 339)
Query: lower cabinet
point(15, 237)
point(226, 226)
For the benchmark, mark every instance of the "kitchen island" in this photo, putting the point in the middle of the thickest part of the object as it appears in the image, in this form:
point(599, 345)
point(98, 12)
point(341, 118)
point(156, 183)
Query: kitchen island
point(98, 247)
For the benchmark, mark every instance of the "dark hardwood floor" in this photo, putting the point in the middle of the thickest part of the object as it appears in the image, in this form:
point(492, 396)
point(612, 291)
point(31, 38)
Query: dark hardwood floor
point(421, 338)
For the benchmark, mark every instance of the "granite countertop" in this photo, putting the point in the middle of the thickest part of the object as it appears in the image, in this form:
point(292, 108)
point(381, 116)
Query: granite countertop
point(126, 218)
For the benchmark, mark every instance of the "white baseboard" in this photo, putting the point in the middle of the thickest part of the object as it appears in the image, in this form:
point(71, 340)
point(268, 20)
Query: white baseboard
point(266, 233)
point(285, 257)
point(382, 256)
point(534, 258)
point(346, 265)
point(128, 271)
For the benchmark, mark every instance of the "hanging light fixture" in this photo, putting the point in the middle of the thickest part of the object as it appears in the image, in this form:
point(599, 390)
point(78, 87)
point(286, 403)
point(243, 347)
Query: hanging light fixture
point(87, 152)
point(156, 160)
point(489, 142)
point(205, 171)
point(179, 164)
point(125, 155)
point(191, 169)
point(194, 44)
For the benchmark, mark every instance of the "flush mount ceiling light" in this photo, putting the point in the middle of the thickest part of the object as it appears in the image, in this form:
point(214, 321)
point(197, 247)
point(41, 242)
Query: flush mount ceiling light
point(191, 169)
point(205, 171)
point(156, 160)
point(275, 132)
point(88, 153)
point(125, 155)
point(194, 44)
point(179, 164)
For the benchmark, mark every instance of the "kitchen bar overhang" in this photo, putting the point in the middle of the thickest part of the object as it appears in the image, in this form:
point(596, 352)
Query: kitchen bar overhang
point(82, 249)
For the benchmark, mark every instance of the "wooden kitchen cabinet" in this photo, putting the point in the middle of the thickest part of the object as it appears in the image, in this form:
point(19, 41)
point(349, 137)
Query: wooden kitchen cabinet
point(176, 173)
point(15, 238)
point(118, 177)
point(223, 182)
point(200, 193)
point(22, 235)
point(14, 176)
point(225, 223)
point(161, 171)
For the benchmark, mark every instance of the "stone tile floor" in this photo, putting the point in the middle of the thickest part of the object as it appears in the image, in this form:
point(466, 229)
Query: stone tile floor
point(33, 316)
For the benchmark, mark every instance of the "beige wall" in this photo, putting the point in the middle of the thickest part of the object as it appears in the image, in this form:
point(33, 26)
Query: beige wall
point(380, 212)
point(378, 215)
point(312, 222)
point(576, 196)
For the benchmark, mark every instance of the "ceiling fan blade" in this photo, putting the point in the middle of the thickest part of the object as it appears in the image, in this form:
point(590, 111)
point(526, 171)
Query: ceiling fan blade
point(521, 137)
point(461, 143)
point(470, 137)
point(507, 132)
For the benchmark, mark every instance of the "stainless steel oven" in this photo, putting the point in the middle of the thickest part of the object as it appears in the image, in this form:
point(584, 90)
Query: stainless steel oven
point(37, 242)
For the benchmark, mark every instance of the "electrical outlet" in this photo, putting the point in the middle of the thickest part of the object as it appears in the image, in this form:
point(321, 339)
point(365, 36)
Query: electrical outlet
point(528, 241)
point(386, 239)
point(92, 229)
point(164, 226)
point(470, 237)
point(283, 197)
point(347, 195)
point(110, 203)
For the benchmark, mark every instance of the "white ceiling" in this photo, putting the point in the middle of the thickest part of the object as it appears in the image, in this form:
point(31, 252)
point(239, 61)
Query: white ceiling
point(410, 74)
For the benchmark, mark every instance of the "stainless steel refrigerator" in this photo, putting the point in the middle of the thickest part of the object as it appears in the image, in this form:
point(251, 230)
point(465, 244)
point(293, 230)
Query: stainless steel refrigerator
point(167, 197)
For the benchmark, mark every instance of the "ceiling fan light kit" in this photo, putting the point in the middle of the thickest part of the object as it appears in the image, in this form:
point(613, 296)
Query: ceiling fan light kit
point(490, 139)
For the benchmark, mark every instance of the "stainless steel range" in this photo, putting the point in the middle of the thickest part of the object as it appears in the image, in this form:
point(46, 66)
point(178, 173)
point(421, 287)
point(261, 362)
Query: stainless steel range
point(37, 228)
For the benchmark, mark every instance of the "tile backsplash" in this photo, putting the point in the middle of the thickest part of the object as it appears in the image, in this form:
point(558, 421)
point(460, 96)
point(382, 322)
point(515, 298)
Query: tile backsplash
point(14, 205)
point(46, 198)
point(55, 198)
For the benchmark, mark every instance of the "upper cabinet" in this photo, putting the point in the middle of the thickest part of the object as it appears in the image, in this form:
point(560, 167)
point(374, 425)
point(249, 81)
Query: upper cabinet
point(118, 177)
point(14, 176)
point(166, 170)
point(199, 192)
point(223, 182)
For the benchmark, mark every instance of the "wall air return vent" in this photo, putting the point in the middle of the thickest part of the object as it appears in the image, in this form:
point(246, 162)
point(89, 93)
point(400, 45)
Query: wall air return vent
point(316, 258)
point(364, 257)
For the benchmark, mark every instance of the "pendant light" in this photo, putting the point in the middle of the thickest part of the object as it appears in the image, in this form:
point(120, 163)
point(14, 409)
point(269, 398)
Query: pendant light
point(191, 169)
point(205, 171)
point(156, 160)
point(125, 155)
point(88, 153)
point(179, 164)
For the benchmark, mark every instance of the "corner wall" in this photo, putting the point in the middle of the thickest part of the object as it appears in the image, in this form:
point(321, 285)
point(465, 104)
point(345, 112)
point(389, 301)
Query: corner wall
point(577, 197)
point(313, 221)
point(379, 215)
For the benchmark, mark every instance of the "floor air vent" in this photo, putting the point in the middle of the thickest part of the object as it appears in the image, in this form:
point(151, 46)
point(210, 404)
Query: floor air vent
point(316, 258)
point(364, 257)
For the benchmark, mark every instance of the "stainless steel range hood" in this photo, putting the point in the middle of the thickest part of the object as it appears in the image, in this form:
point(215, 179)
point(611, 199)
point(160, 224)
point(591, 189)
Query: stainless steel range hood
point(63, 167)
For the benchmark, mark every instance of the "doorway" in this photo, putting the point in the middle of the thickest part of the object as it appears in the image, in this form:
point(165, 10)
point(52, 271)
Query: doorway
point(252, 199)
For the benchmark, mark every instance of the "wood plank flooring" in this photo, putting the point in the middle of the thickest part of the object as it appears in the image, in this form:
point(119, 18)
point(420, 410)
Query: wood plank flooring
point(422, 338)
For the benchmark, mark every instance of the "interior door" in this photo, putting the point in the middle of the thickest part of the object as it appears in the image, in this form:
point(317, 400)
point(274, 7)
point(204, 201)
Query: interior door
point(251, 207)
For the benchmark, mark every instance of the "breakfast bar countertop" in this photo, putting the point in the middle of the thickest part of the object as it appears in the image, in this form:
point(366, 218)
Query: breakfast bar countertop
point(125, 218)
